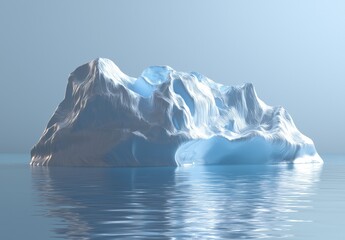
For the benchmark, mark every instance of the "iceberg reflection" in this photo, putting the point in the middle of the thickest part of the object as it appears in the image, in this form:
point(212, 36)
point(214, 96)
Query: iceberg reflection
point(230, 202)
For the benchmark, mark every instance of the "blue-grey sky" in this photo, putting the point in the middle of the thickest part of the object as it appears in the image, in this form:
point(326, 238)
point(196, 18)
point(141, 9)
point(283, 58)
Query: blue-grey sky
point(293, 51)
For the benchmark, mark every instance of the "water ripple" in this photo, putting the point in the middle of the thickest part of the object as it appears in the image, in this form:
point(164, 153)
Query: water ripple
point(215, 202)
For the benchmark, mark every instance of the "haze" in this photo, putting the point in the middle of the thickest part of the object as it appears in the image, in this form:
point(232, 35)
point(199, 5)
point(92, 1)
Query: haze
point(292, 51)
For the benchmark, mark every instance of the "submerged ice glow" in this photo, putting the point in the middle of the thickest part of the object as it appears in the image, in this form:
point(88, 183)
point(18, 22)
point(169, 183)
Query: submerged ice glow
point(165, 118)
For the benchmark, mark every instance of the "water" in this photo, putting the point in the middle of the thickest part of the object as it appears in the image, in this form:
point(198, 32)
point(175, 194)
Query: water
point(214, 202)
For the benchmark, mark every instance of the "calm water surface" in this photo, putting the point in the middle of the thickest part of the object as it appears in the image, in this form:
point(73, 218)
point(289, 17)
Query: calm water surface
point(214, 202)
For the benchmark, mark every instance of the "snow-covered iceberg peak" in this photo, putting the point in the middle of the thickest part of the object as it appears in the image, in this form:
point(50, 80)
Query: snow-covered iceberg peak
point(165, 118)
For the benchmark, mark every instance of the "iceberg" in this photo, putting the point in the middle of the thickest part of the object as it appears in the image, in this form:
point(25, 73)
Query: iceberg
point(165, 118)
